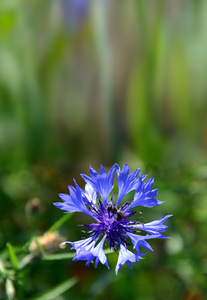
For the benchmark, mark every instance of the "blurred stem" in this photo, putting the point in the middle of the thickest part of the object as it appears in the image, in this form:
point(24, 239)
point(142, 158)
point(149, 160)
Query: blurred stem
point(142, 22)
point(101, 37)
point(33, 221)
point(60, 256)
point(29, 259)
point(60, 222)
point(42, 251)
point(152, 40)
point(56, 291)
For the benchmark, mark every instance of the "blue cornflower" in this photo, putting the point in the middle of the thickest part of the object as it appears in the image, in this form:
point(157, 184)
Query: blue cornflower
point(75, 12)
point(112, 223)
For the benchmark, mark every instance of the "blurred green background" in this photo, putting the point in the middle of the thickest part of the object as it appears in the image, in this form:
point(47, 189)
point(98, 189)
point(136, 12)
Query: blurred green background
point(86, 82)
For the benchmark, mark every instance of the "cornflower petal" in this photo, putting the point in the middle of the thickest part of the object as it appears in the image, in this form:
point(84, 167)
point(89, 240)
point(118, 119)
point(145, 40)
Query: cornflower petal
point(73, 202)
point(98, 252)
point(90, 193)
point(140, 241)
point(126, 182)
point(153, 227)
point(90, 252)
point(85, 253)
point(126, 256)
point(79, 244)
point(102, 182)
point(144, 196)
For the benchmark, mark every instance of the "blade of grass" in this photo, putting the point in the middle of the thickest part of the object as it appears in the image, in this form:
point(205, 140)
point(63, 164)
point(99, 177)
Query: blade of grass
point(57, 290)
point(12, 256)
point(60, 222)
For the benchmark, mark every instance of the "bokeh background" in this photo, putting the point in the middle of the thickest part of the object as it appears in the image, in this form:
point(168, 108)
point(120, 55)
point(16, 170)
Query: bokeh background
point(90, 82)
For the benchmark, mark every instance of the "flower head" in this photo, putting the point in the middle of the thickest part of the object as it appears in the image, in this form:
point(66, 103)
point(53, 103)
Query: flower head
point(112, 222)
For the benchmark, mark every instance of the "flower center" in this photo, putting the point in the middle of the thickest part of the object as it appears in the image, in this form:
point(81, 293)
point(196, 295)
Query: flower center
point(112, 222)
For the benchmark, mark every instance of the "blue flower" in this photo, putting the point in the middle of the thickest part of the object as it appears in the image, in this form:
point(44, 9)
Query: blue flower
point(75, 12)
point(112, 223)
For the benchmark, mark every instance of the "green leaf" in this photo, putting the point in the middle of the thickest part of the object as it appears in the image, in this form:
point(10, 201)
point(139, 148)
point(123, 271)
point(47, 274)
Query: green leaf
point(57, 290)
point(12, 256)
point(60, 222)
